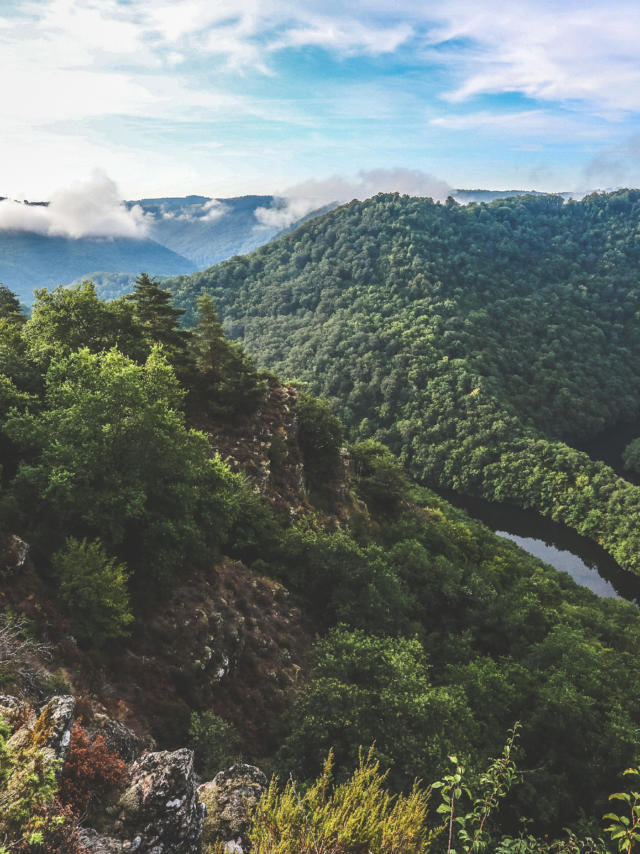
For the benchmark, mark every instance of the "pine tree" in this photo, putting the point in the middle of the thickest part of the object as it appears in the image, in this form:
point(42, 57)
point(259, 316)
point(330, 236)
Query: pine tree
point(225, 382)
point(159, 319)
point(10, 307)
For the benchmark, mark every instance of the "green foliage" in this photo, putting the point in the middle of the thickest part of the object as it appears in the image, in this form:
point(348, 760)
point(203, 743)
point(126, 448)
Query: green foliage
point(28, 785)
point(213, 741)
point(631, 456)
point(377, 690)
point(159, 321)
point(506, 638)
point(624, 829)
point(94, 588)
point(469, 831)
point(10, 308)
point(357, 816)
point(110, 456)
point(223, 382)
point(479, 342)
point(320, 435)
point(341, 579)
point(379, 477)
point(65, 319)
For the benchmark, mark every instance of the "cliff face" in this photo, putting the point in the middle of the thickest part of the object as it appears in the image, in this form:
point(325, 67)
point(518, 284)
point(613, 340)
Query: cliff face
point(265, 449)
point(226, 639)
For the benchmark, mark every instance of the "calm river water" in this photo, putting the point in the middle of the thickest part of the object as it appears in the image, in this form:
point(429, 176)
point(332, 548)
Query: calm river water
point(553, 543)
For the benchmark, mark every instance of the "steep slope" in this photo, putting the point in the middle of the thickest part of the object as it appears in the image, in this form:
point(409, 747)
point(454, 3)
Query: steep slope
point(474, 340)
point(177, 577)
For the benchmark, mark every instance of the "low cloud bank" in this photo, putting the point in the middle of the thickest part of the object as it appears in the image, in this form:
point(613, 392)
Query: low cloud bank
point(89, 209)
point(301, 199)
point(210, 211)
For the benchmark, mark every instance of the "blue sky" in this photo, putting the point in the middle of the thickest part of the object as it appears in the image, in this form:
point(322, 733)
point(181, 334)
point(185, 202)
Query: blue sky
point(260, 96)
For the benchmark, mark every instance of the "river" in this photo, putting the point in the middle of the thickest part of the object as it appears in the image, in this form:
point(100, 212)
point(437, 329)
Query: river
point(555, 544)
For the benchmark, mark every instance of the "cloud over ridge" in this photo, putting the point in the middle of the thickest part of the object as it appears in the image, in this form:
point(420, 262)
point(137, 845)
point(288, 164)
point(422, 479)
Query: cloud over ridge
point(89, 209)
point(301, 199)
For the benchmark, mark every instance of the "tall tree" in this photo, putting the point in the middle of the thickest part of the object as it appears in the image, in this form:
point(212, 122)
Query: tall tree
point(10, 307)
point(224, 381)
point(159, 320)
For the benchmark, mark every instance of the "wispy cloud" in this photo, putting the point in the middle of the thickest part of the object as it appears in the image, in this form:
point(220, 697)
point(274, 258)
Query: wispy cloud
point(90, 209)
point(209, 211)
point(243, 68)
point(582, 52)
point(301, 199)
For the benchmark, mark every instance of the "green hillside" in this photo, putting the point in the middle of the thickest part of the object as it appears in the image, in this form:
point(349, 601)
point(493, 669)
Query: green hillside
point(254, 588)
point(479, 342)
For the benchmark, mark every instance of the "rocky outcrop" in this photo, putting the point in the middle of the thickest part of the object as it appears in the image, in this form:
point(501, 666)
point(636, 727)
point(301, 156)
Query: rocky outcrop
point(50, 730)
point(118, 737)
point(265, 449)
point(159, 812)
point(13, 553)
point(95, 843)
point(228, 799)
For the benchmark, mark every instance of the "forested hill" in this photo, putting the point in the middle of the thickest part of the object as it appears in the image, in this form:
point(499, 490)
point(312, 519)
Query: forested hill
point(474, 340)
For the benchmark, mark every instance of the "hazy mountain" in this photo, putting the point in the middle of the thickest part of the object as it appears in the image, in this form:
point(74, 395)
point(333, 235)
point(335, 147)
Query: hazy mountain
point(29, 260)
point(206, 230)
point(183, 234)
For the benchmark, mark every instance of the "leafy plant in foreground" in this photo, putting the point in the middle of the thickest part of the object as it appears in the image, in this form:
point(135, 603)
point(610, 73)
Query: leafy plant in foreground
point(358, 816)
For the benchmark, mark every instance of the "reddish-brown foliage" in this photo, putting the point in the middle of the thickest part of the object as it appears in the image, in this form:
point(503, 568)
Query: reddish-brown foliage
point(89, 771)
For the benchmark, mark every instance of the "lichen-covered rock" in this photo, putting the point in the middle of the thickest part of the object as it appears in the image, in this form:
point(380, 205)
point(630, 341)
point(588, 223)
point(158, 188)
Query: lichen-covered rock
point(50, 731)
point(159, 812)
point(13, 553)
point(95, 843)
point(58, 716)
point(118, 737)
point(15, 712)
point(228, 799)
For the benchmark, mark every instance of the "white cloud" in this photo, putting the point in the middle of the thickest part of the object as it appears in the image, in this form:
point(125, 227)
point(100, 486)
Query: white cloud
point(89, 209)
point(308, 196)
point(210, 211)
point(574, 51)
point(214, 210)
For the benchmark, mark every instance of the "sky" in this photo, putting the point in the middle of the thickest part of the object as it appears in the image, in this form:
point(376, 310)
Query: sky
point(228, 97)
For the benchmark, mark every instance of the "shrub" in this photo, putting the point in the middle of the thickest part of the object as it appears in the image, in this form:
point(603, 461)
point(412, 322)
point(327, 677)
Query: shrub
point(379, 477)
point(89, 771)
point(213, 741)
point(320, 436)
point(631, 456)
point(94, 586)
point(358, 816)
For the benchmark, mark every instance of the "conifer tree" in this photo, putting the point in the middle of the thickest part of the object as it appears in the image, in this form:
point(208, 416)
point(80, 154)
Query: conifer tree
point(159, 319)
point(225, 382)
point(10, 307)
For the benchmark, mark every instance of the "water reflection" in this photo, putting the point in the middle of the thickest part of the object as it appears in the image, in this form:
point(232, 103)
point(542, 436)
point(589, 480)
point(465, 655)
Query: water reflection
point(553, 543)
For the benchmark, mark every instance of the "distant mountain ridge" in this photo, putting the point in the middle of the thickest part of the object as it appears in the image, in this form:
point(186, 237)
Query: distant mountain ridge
point(29, 260)
point(185, 234)
point(208, 230)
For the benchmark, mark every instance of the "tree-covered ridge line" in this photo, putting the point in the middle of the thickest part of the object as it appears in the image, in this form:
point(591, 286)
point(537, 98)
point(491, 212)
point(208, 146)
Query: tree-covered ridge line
point(478, 342)
point(433, 634)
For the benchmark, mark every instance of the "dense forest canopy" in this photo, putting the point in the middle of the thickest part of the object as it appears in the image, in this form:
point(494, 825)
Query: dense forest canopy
point(432, 634)
point(480, 342)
